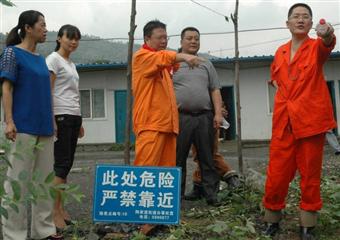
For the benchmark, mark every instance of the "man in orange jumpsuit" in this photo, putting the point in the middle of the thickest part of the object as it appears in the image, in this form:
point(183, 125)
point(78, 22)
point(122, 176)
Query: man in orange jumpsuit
point(302, 115)
point(155, 114)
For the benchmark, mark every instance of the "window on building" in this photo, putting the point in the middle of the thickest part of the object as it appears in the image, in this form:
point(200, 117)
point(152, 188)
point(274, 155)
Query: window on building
point(271, 95)
point(92, 103)
point(98, 103)
point(85, 103)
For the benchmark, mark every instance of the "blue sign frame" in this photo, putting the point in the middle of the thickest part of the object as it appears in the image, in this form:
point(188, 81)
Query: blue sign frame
point(135, 194)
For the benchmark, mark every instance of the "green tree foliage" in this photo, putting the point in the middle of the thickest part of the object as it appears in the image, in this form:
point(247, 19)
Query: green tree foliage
point(7, 3)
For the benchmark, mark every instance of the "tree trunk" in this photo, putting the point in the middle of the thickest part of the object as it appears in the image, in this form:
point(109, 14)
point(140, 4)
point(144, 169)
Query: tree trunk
point(128, 88)
point(234, 17)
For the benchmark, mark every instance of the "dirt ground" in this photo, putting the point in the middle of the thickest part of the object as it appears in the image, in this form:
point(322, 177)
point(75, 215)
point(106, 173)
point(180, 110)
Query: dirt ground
point(255, 157)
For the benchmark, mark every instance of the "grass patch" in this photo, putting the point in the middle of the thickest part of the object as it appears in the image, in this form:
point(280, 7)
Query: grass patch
point(120, 147)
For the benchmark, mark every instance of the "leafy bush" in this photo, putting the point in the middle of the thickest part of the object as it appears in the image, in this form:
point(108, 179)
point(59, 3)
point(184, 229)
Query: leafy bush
point(37, 186)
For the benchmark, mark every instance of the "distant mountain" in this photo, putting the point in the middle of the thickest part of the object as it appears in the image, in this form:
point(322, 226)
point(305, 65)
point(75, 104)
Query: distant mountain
point(90, 50)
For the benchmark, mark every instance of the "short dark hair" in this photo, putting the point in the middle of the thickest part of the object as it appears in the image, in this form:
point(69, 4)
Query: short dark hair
point(290, 11)
point(150, 26)
point(193, 29)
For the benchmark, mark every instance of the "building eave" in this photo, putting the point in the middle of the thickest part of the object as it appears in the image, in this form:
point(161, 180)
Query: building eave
point(219, 62)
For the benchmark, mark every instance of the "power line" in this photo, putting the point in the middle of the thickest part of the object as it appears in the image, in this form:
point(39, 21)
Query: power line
point(177, 35)
point(249, 45)
point(260, 43)
point(210, 9)
point(247, 30)
point(240, 31)
point(202, 34)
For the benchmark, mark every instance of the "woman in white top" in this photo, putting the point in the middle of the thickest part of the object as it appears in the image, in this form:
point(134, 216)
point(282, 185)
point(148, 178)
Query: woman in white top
point(66, 106)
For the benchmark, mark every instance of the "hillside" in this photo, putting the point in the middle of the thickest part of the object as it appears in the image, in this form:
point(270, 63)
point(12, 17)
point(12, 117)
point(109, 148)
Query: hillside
point(91, 50)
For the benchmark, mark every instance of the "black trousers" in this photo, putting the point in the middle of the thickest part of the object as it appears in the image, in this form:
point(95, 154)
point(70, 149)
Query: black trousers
point(198, 129)
point(68, 127)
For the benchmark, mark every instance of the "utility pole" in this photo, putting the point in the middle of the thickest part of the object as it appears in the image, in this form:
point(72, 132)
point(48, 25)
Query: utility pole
point(129, 84)
point(234, 18)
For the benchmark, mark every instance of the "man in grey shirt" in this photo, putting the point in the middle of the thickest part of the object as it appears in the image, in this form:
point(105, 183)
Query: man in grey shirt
point(199, 104)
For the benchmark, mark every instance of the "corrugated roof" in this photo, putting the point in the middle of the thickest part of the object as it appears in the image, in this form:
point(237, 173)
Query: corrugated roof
point(101, 66)
point(123, 65)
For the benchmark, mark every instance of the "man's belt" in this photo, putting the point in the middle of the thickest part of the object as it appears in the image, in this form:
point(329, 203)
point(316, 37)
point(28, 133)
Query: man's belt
point(194, 113)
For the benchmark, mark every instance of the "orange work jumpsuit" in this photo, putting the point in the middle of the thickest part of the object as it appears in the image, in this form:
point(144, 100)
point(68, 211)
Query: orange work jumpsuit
point(302, 114)
point(155, 114)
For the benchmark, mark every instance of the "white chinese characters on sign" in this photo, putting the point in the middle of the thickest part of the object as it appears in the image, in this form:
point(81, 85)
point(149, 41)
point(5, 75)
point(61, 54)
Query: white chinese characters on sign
point(129, 179)
point(138, 195)
point(146, 199)
point(127, 198)
point(148, 180)
point(109, 178)
point(166, 180)
point(165, 200)
point(108, 194)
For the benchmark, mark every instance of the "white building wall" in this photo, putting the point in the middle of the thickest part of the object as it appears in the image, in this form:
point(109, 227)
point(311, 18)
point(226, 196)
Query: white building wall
point(226, 77)
point(332, 73)
point(255, 116)
point(102, 130)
